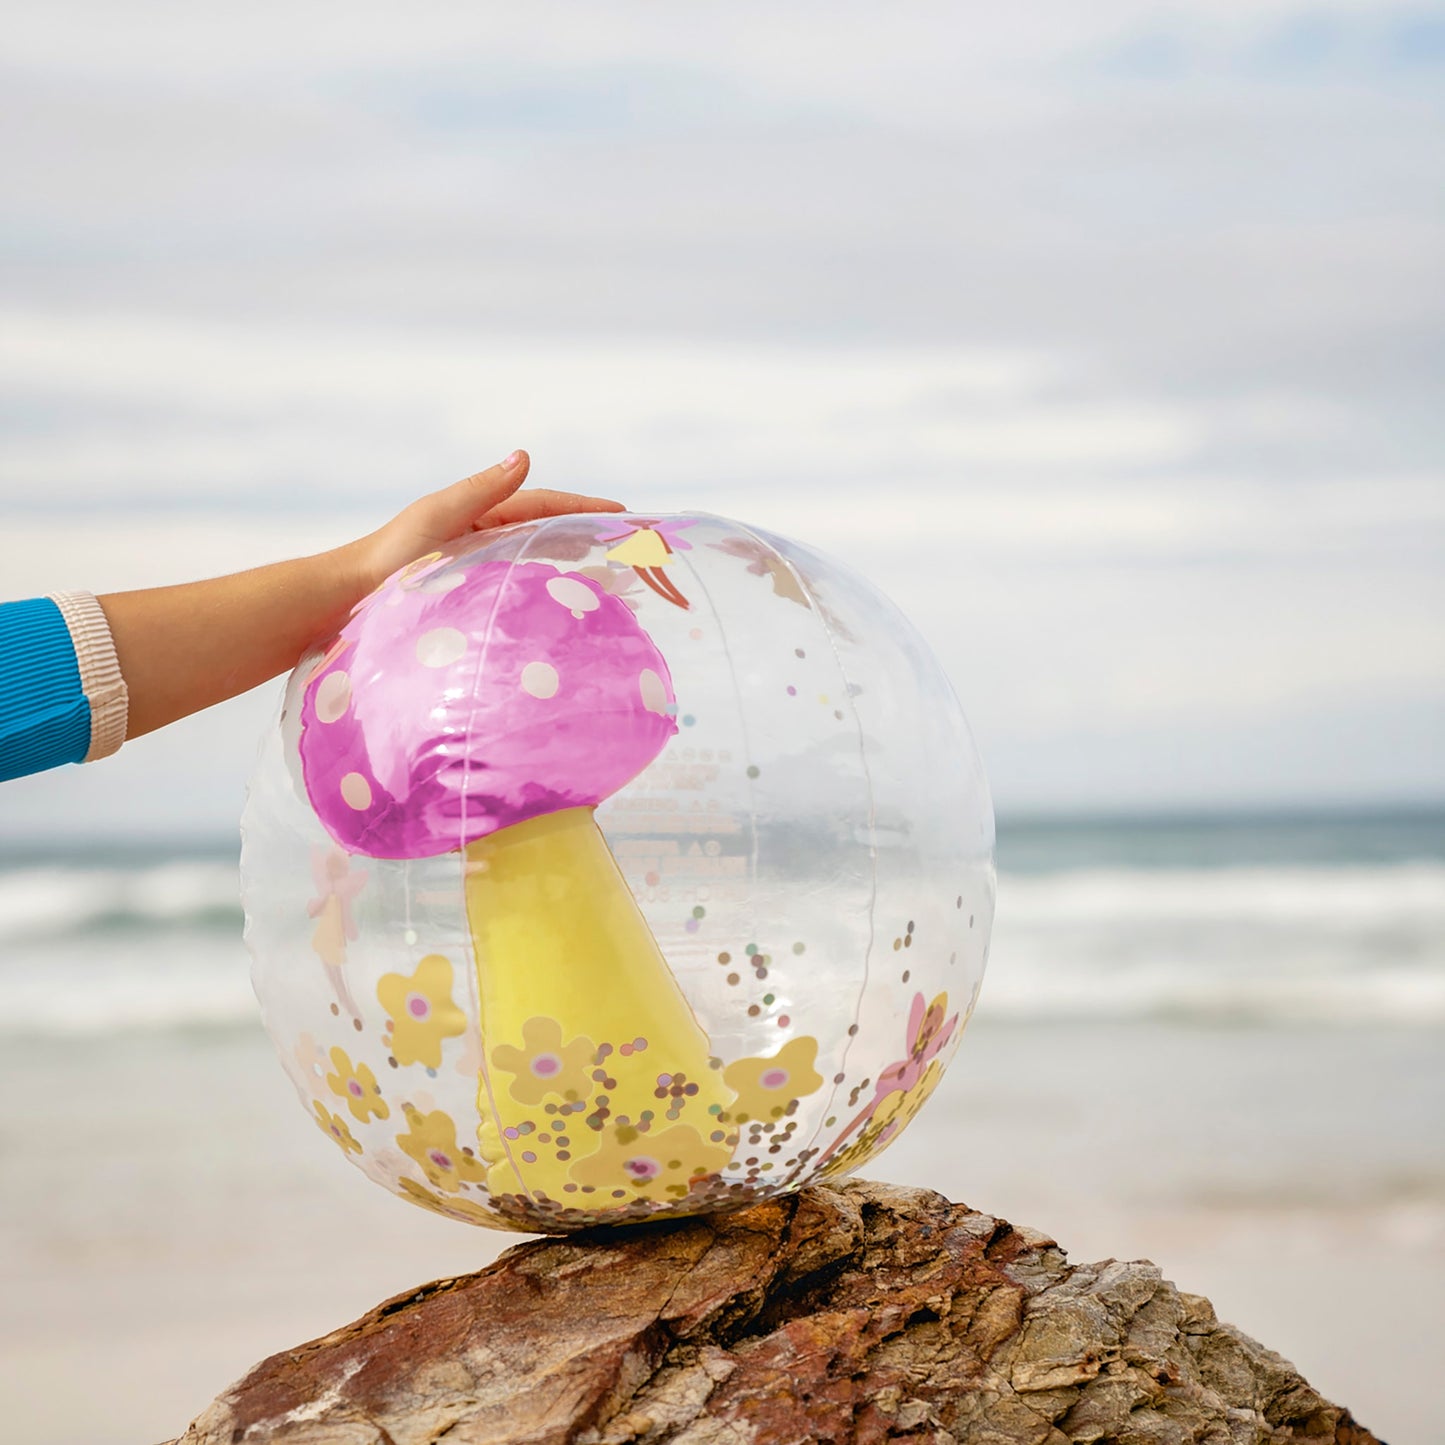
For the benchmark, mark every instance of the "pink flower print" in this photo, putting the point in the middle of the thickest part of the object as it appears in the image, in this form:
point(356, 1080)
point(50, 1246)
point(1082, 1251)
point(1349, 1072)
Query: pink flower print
point(469, 1060)
point(908, 1081)
point(337, 886)
point(927, 1034)
point(311, 1063)
point(388, 1167)
point(669, 531)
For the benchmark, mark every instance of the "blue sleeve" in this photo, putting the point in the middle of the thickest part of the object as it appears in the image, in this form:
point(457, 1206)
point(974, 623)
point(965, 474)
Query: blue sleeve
point(44, 715)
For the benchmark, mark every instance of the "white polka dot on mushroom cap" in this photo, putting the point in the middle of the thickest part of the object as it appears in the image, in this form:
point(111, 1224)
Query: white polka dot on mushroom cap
point(540, 679)
point(440, 647)
point(356, 792)
point(333, 697)
point(653, 690)
point(577, 597)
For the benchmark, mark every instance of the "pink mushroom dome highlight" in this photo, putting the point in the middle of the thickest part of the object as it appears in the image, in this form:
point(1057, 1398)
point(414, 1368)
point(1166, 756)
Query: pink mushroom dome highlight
point(465, 696)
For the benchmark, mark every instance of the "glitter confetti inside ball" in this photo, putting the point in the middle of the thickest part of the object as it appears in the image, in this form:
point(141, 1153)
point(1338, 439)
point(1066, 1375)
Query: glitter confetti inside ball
point(609, 866)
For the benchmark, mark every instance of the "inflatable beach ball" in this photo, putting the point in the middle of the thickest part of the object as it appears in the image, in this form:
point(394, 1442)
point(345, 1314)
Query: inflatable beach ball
point(606, 867)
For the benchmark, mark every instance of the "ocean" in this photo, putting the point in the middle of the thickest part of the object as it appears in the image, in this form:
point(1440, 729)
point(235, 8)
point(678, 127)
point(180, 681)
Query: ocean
point(1217, 1041)
point(1267, 920)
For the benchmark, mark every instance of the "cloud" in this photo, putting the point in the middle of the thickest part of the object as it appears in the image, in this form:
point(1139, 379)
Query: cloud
point(930, 180)
point(1105, 341)
point(239, 412)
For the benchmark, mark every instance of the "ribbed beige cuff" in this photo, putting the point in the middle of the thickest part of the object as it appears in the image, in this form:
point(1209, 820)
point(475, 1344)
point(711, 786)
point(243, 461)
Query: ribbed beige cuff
point(100, 678)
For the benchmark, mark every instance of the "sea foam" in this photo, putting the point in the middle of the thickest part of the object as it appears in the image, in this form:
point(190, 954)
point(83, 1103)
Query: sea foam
point(157, 946)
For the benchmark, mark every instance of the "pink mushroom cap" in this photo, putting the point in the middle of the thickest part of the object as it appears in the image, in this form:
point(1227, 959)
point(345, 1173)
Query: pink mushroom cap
point(465, 696)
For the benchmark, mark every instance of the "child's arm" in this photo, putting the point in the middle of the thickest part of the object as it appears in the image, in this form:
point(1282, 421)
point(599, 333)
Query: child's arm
point(183, 648)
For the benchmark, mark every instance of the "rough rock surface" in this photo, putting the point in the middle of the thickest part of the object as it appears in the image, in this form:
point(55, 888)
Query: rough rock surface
point(857, 1313)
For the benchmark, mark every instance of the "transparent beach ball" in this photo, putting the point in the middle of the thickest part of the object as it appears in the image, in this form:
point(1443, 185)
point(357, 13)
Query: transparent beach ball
point(606, 867)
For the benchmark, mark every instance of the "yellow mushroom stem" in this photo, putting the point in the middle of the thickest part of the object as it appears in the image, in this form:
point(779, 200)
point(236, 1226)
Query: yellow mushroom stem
point(581, 1019)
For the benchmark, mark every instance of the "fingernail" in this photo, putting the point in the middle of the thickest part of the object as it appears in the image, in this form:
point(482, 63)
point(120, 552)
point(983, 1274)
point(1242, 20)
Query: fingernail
point(512, 461)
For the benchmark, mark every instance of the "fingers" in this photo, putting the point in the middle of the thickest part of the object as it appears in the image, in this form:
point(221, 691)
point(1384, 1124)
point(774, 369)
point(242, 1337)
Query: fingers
point(488, 499)
point(457, 508)
point(543, 502)
point(492, 499)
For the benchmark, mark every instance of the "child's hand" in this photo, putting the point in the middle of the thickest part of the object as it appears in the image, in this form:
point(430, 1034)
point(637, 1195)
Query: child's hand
point(183, 648)
point(488, 499)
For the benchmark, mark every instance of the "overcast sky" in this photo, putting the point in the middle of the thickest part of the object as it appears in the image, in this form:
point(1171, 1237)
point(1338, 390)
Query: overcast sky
point(1107, 338)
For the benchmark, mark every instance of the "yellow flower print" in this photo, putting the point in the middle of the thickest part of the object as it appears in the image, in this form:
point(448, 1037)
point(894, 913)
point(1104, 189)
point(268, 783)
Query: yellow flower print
point(335, 1125)
point(631, 1164)
point(467, 1210)
point(357, 1085)
point(765, 1087)
point(432, 1141)
point(422, 1011)
point(545, 1065)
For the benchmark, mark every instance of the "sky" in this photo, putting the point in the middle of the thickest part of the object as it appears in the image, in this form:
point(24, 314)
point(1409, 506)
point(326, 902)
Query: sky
point(1106, 339)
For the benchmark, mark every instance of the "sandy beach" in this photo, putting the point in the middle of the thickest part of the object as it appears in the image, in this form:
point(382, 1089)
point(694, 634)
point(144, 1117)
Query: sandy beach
point(177, 1218)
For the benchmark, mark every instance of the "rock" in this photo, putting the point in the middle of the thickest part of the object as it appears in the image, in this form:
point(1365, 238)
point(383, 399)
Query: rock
point(860, 1312)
